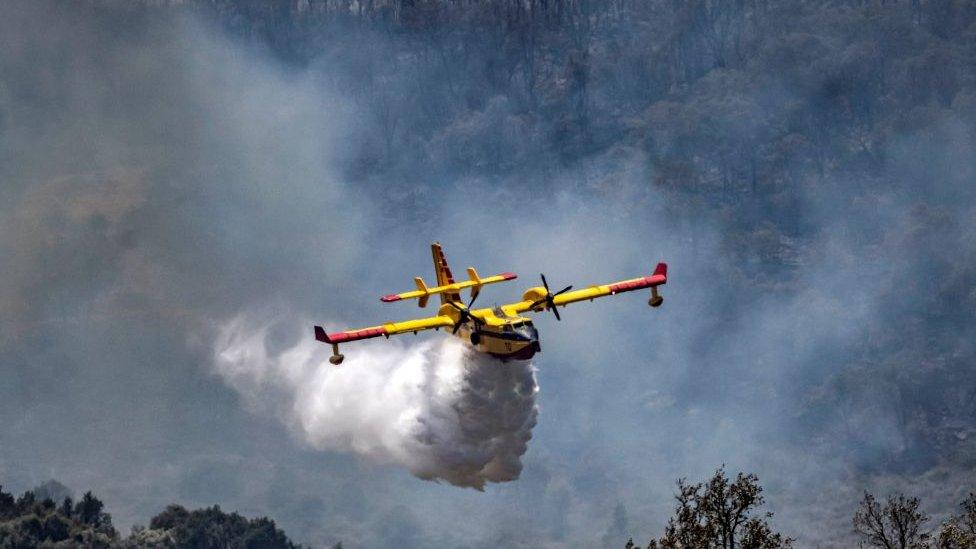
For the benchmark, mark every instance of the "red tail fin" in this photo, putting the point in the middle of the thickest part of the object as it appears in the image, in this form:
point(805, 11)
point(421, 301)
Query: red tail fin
point(444, 276)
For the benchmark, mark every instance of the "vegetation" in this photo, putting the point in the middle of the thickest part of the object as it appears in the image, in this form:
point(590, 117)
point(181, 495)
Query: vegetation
point(898, 524)
point(212, 527)
point(719, 514)
point(959, 532)
point(27, 522)
point(723, 514)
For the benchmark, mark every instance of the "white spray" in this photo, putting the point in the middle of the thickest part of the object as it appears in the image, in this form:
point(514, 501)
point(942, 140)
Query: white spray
point(437, 408)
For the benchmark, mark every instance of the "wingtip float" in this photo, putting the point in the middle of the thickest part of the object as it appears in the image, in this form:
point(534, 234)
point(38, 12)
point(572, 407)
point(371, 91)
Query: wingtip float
point(498, 331)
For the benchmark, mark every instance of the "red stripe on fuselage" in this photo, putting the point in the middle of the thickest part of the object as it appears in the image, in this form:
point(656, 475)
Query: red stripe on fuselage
point(391, 297)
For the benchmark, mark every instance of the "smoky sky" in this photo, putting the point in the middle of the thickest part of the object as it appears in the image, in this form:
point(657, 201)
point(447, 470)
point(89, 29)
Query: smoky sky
point(161, 176)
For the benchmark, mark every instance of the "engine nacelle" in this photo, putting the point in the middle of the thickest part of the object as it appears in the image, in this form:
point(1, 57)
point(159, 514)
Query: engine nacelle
point(535, 294)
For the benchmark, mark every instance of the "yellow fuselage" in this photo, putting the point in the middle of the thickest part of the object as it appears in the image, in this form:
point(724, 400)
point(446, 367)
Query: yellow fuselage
point(500, 335)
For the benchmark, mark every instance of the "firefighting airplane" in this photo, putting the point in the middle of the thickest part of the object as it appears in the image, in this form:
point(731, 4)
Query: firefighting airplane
point(500, 331)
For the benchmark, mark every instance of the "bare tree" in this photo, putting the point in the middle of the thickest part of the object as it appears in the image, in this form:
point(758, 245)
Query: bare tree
point(898, 524)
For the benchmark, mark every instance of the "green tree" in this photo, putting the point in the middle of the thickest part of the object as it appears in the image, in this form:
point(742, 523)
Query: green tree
point(7, 505)
point(717, 514)
point(959, 532)
point(89, 511)
point(67, 507)
point(213, 528)
point(27, 522)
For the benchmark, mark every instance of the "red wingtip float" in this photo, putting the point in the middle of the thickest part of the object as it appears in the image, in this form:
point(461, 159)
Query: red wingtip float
point(499, 331)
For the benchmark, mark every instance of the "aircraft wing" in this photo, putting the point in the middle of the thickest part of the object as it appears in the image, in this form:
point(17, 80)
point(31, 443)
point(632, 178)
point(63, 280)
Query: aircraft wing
point(532, 296)
point(388, 329)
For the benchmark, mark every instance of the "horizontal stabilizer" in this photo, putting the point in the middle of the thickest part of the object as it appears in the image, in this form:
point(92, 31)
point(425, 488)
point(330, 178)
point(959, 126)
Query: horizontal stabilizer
point(423, 292)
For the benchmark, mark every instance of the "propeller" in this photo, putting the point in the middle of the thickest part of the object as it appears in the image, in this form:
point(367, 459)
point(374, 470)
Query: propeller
point(549, 298)
point(465, 314)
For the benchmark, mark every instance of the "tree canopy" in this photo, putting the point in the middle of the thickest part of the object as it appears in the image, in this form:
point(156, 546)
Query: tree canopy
point(27, 522)
point(719, 514)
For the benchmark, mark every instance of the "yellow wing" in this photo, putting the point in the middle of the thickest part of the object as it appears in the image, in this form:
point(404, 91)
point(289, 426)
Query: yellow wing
point(534, 299)
point(388, 329)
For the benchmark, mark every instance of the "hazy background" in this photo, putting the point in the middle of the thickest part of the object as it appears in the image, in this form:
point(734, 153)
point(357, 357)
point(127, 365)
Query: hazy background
point(807, 171)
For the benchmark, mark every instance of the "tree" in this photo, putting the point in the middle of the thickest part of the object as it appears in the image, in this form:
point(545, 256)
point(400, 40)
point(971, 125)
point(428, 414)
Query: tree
point(67, 507)
point(959, 532)
point(898, 524)
point(718, 514)
point(8, 506)
point(30, 521)
point(89, 510)
point(213, 528)
point(26, 502)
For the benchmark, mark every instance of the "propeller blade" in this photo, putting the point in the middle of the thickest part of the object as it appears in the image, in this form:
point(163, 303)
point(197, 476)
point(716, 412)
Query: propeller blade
point(464, 315)
point(548, 299)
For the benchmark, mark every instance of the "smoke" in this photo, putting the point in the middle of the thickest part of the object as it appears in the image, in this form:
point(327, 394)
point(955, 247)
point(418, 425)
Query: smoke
point(436, 407)
point(159, 174)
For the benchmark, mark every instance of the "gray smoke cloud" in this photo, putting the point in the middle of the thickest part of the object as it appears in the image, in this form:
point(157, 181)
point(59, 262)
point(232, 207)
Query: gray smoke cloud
point(439, 409)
